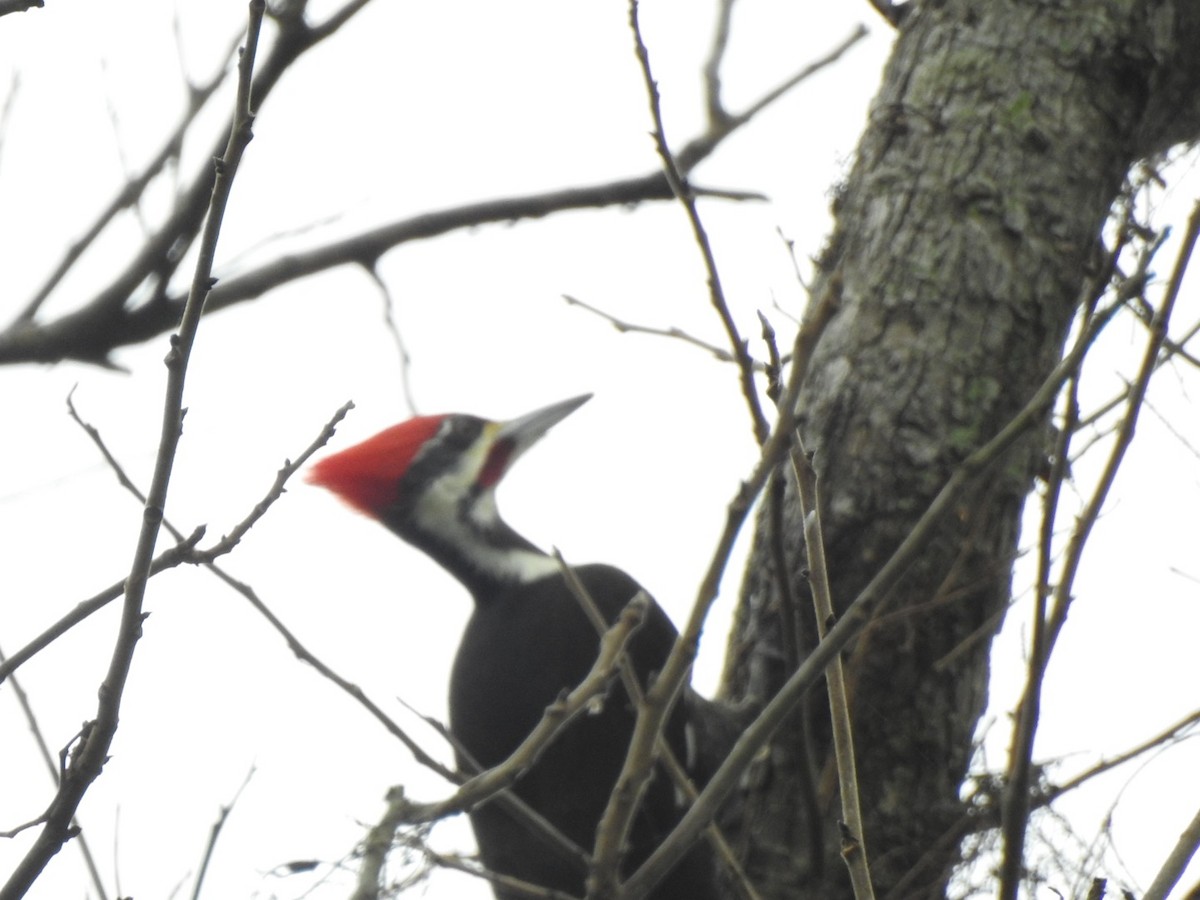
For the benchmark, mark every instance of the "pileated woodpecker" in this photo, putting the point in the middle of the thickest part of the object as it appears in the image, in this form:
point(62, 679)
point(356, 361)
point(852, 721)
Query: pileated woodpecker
point(432, 480)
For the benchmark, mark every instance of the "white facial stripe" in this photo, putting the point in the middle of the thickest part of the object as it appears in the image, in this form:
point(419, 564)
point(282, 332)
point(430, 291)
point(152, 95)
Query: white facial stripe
point(437, 513)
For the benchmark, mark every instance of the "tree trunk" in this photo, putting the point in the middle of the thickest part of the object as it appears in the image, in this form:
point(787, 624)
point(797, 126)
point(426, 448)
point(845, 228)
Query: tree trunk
point(966, 235)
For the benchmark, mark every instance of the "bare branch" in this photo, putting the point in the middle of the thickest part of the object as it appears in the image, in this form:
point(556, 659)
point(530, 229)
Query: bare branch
point(1164, 738)
point(87, 762)
point(15, 6)
point(183, 552)
point(699, 148)
point(215, 833)
point(677, 178)
point(512, 887)
point(675, 333)
point(91, 332)
point(130, 194)
point(106, 322)
point(717, 114)
point(168, 559)
point(854, 844)
point(389, 321)
point(39, 738)
point(1176, 862)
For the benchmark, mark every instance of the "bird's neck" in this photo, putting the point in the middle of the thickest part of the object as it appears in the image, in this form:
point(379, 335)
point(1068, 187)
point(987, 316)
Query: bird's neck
point(482, 551)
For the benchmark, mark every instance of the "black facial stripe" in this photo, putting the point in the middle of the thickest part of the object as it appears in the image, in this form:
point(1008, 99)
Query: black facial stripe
point(440, 453)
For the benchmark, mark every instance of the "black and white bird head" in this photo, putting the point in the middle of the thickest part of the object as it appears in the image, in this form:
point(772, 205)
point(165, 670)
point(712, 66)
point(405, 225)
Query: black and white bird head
point(432, 480)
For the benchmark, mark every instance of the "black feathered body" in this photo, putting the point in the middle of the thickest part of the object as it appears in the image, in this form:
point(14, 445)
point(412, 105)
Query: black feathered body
point(524, 645)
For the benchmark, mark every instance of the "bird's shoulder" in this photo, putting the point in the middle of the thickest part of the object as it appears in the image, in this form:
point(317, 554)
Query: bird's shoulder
point(610, 588)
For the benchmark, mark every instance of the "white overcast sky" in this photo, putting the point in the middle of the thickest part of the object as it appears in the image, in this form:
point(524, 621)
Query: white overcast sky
point(418, 106)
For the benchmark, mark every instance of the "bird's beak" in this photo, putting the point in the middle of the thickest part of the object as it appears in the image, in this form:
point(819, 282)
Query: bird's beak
point(523, 432)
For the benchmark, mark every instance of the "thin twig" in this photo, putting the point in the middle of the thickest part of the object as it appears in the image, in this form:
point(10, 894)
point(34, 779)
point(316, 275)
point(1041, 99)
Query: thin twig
point(1166, 737)
point(211, 844)
point(677, 178)
point(6, 111)
point(39, 738)
point(1015, 803)
point(510, 886)
point(715, 108)
point(168, 559)
point(389, 322)
point(854, 845)
point(699, 148)
point(672, 332)
point(131, 193)
point(1048, 629)
point(185, 550)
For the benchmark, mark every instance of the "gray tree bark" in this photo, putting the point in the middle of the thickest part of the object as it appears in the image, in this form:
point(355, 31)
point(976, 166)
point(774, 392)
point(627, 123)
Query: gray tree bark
point(966, 234)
